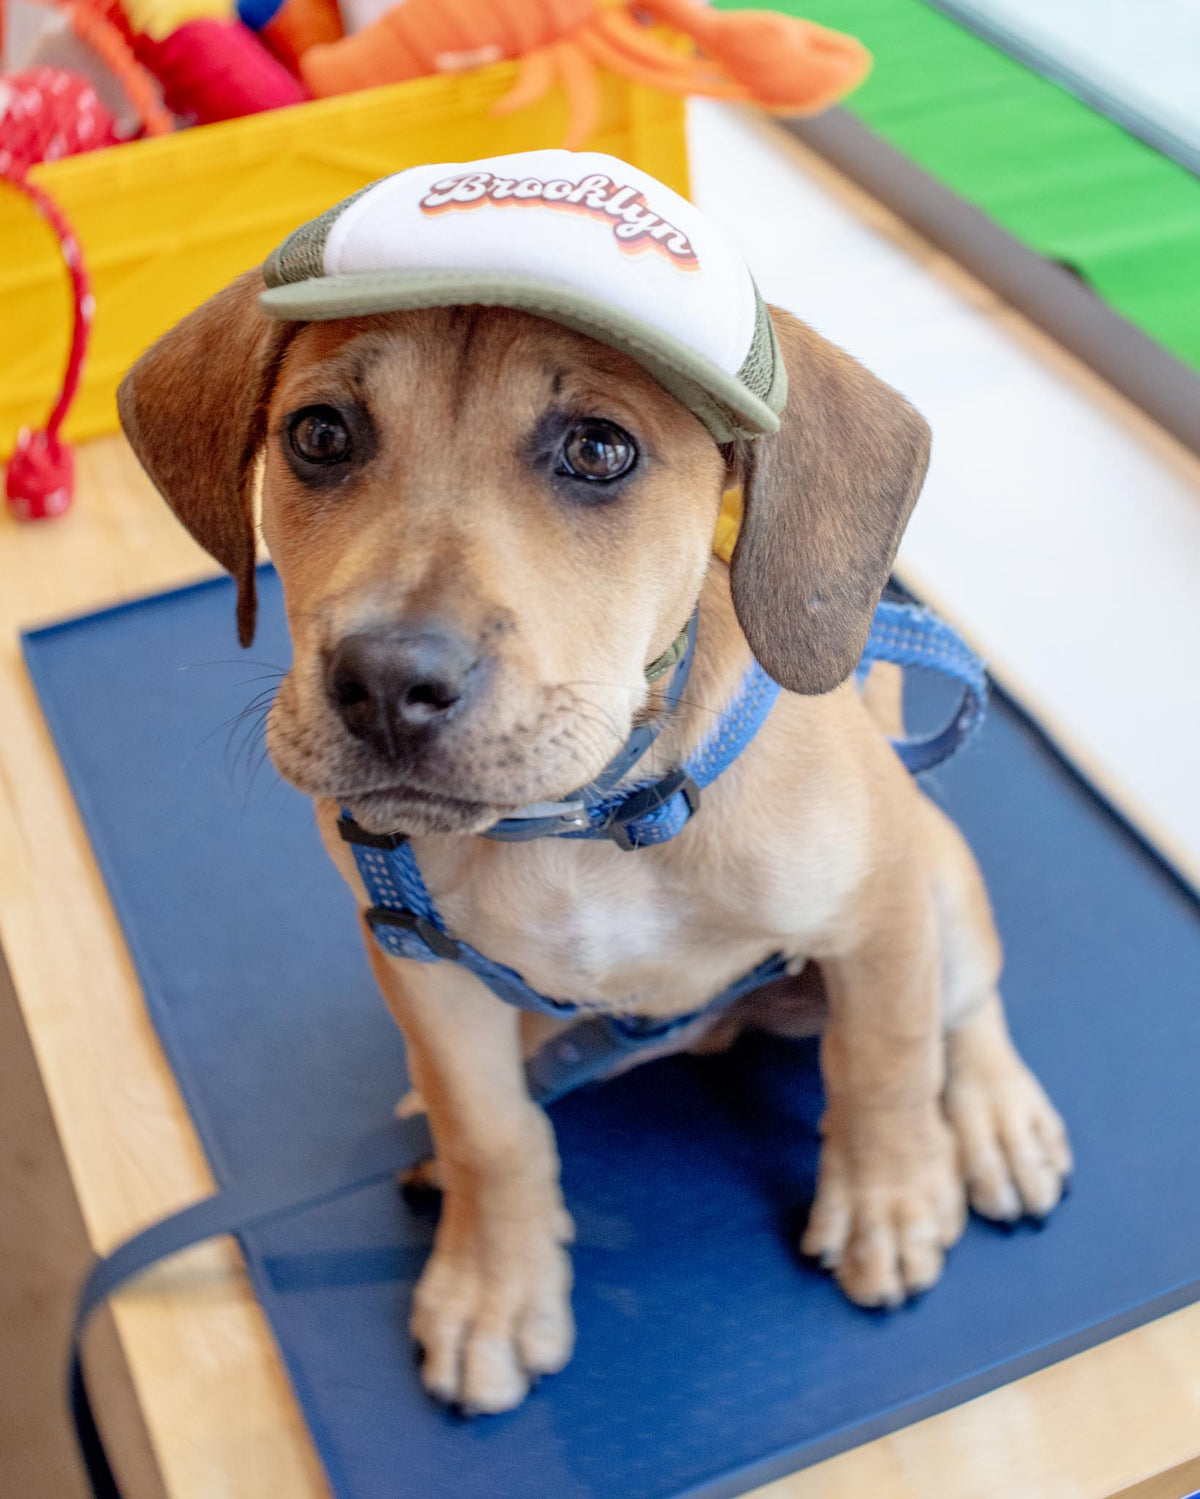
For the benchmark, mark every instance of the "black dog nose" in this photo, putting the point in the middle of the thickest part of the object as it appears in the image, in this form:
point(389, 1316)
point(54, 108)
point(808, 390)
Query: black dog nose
point(394, 686)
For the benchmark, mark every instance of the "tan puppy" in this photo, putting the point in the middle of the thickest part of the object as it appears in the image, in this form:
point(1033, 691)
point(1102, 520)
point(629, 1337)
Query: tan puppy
point(473, 601)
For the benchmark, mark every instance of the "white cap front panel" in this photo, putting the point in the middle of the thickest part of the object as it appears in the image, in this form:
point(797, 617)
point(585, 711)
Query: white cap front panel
point(582, 220)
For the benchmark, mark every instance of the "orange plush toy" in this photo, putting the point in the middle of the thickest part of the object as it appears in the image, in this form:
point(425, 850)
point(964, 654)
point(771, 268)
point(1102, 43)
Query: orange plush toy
point(786, 65)
point(290, 28)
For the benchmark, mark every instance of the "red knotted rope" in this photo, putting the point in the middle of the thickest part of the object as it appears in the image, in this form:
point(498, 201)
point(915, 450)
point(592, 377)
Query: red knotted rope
point(46, 114)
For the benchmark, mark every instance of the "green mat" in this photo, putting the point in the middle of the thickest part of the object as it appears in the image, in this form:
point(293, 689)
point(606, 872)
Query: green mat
point(1062, 178)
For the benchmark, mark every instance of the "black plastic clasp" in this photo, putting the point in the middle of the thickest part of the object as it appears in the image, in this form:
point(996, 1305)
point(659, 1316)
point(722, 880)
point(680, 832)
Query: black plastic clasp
point(408, 921)
point(648, 800)
point(352, 833)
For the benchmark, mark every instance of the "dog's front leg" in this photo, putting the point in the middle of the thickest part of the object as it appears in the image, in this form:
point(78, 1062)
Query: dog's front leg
point(889, 1199)
point(492, 1310)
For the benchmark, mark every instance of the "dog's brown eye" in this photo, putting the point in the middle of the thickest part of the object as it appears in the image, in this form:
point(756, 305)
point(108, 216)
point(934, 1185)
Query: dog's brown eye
point(318, 434)
point(598, 451)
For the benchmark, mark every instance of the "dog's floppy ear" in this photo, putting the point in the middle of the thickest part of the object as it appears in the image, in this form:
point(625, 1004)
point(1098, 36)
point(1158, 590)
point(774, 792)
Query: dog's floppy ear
point(194, 410)
point(826, 501)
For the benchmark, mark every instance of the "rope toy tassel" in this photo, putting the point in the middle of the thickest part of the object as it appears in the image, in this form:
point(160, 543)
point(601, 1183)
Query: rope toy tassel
point(46, 114)
point(40, 481)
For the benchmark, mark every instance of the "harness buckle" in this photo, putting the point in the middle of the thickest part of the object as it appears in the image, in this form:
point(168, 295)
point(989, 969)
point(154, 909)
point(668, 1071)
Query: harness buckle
point(650, 799)
point(437, 942)
point(352, 833)
point(543, 820)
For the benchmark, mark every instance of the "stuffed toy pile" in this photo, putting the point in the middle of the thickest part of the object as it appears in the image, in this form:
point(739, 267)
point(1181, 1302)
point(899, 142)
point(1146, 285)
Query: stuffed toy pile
point(79, 75)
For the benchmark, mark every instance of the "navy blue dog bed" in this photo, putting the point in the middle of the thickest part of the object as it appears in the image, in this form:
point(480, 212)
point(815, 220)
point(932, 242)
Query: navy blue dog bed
point(710, 1359)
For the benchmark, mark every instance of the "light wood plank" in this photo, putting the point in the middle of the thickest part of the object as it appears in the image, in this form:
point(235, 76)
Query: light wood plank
point(218, 1406)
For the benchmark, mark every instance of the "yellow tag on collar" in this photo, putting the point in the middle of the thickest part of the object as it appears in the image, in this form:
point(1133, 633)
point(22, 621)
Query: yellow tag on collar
point(729, 523)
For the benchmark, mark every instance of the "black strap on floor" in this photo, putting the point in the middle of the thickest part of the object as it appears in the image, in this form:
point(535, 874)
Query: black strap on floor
point(370, 1159)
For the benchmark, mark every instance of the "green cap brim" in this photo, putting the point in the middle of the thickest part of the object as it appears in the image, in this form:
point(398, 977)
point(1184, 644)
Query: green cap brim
point(726, 406)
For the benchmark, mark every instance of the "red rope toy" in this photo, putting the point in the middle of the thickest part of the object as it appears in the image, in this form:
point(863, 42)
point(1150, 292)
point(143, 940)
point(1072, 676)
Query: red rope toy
point(45, 114)
point(210, 70)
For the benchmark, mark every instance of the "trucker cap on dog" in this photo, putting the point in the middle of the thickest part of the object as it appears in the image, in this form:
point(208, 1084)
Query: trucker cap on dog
point(577, 237)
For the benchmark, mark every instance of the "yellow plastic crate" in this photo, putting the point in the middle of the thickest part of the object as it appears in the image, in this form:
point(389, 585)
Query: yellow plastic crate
point(164, 223)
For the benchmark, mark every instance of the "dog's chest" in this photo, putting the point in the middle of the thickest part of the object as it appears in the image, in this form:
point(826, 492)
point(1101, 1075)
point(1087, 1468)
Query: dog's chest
point(592, 924)
point(597, 936)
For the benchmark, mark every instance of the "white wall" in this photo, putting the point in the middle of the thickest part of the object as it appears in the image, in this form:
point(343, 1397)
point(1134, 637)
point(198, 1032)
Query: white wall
point(1058, 528)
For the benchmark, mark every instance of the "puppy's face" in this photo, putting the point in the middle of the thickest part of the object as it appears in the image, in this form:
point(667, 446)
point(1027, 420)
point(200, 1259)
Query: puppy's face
point(486, 527)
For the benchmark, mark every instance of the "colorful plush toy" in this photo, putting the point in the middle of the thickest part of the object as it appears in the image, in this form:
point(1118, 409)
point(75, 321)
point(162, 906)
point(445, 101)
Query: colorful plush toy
point(289, 28)
point(214, 70)
point(90, 39)
point(209, 65)
point(783, 64)
point(212, 66)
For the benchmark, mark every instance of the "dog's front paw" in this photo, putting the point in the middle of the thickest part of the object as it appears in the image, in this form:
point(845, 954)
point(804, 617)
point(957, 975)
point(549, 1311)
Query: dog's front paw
point(884, 1216)
point(1012, 1144)
point(491, 1321)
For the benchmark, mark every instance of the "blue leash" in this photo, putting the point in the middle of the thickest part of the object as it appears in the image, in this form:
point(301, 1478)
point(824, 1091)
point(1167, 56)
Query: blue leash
point(246, 1205)
point(406, 923)
point(908, 635)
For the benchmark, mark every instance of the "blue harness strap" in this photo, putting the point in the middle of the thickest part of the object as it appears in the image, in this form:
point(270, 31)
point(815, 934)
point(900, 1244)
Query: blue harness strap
point(574, 816)
point(402, 913)
point(907, 635)
point(405, 920)
point(407, 924)
point(654, 812)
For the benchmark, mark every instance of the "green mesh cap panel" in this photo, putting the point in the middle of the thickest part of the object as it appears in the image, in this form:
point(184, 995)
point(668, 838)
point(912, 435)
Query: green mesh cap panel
point(302, 254)
point(762, 371)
